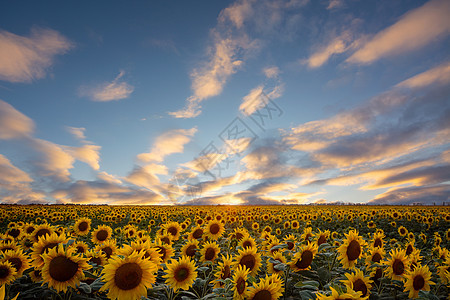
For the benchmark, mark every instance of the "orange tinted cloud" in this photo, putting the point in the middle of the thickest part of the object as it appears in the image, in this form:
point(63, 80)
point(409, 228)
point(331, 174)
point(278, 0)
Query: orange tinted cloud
point(23, 59)
point(14, 124)
point(414, 30)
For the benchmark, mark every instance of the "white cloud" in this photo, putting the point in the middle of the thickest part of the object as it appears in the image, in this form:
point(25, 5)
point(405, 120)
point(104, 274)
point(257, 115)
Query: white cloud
point(77, 132)
point(335, 4)
point(257, 99)
point(86, 153)
point(414, 30)
point(108, 91)
point(14, 124)
point(23, 59)
point(10, 174)
point(170, 142)
point(271, 72)
point(439, 75)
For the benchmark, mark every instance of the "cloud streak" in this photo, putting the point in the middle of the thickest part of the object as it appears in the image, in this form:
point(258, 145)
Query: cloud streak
point(27, 58)
point(413, 31)
point(108, 91)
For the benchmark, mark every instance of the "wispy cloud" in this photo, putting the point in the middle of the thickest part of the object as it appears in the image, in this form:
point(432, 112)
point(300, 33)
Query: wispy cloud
point(170, 142)
point(77, 132)
point(14, 124)
point(10, 174)
point(26, 58)
point(414, 30)
point(108, 91)
point(334, 4)
point(272, 72)
point(438, 75)
point(233, 43)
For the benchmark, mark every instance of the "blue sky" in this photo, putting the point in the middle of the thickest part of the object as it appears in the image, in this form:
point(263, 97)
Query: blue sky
point(225, 102)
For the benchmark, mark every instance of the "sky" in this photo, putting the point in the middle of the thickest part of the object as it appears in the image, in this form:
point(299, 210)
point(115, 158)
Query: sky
point(225, 102)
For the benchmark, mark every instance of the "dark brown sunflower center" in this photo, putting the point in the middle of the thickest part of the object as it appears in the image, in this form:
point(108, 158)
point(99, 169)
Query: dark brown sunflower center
point(181, 274)
point(14, 232)
point(102, 235)
point(162, 252)
point(290, 245)
point(83, 226)
point(49, 246)
point(409, 250)
point(108, 251)
point(42, 232)
point(128, 276)
point(308, 236)
point(197, 233)
point(29, 230)
point(214, 228)
point(96, 260)
point(305, 260)
point(226, 272)
point(80, 249)
point(4, 272)
point(398, 267)
point(376, 257)
point(248, 261)
point(173, 231)
point(62, 268)
point(322, 239)
point(239, 236)
point(402, 231)
point(240, 285)
point(210, 253)
point(377, 243)
point(246, 244)
point(16, 262)
point(262, 295)
point(353, 250)
point(190, 251)
point(360, 286)
point(418, 282)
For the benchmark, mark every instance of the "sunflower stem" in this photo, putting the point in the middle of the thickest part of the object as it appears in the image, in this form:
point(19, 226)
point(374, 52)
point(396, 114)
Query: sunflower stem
point(334, 261)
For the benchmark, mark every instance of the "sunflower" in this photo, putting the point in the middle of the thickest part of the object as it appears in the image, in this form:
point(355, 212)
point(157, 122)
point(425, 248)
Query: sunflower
point(82, 226)
point(417, 280)
point(62, 268)
point(44, 245)
point(414, 259)
point(36, 275)
point(249, 258)
point(397, 264)
point(181, 273)
point(209, 252)
point(98, 258)
point(279, 257)
point(357, 282)
point(214, 229)
point(350, 295)
point(81, 247)
point(101, 234)
point(129, 277)
point(190, 248)
point(265, 289)
point(376, 274)
point(402, 231)
point(444, 271)
point(223, 271)
point(18, 260)
point(238, 233)
point(196, 233)
point(377, 239)
point(239, 282)
point(307, 234)
point(322, 237)
point(165, 251)
point(7, 245)
point(41, 231)
point(290, 241)
point(247, 241)
point(15, 232)
point(351, 249)
point(7, 273)
point(173, 229)
point(375, 255)
point(303, 258)
point(145, 248)
point(108, 247)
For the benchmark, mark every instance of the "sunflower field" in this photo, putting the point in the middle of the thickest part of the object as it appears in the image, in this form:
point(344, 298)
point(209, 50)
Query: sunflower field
point(224, 252)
